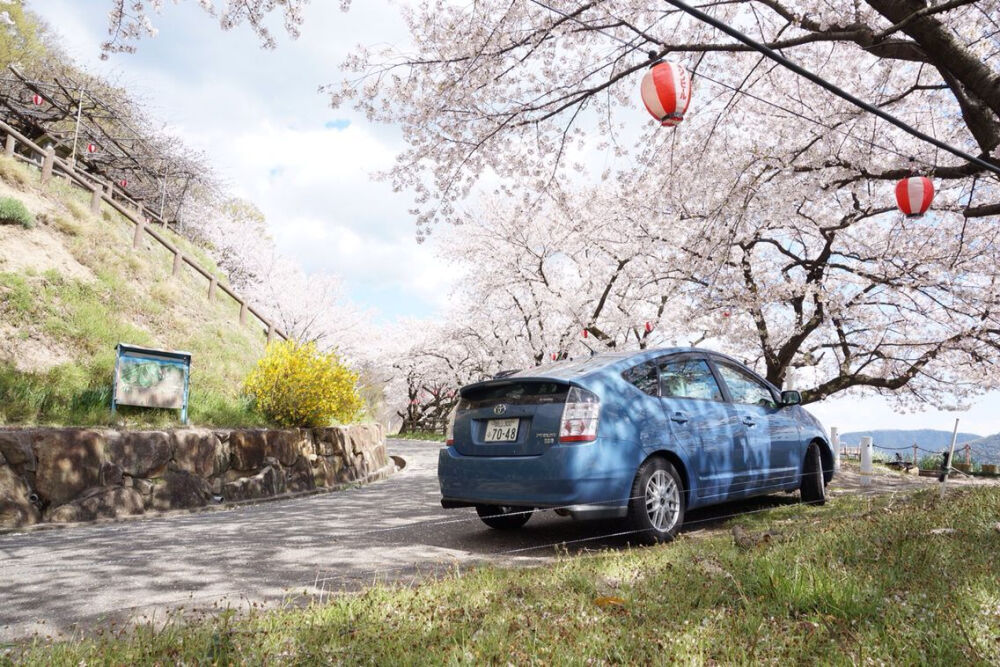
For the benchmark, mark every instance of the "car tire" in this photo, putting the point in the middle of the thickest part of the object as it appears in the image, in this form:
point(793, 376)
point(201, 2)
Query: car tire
point(503, 517)
point(656, 504)
point(812, 487)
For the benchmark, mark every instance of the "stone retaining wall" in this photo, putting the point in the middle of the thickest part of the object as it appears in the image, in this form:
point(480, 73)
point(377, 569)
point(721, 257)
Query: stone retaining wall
point(62, 475)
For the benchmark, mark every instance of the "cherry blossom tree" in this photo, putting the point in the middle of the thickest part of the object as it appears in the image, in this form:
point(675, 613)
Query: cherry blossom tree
point(131, 20)
point(772, 202)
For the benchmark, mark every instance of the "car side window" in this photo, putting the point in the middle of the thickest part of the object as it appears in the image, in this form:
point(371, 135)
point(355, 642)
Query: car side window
point(688, 378)
point(745, 388)
point(643, 377)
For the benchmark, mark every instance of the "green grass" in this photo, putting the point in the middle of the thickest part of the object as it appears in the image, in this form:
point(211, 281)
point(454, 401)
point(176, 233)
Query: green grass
point(860, 581)
point(420, 435)
point(13, 212)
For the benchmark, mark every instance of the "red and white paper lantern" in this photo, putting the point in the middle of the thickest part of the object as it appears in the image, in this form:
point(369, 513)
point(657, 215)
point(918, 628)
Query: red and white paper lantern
point(91, 148)
point(585, 333)
point(666, 92)
point(914, 195)
point(123, 183)
point(649, 327)
point(37, 100)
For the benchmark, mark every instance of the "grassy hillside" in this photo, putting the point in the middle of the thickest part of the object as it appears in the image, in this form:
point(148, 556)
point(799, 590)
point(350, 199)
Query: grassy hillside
point(72, 287)
point(860, 581)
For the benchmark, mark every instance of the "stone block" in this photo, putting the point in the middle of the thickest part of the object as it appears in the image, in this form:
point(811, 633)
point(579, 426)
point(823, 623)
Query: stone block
point(15, 508)
point(99, 503)
point(300, 476)
point(68, 462)
point(323, 473)
point(362, 437)
point(15, 448)
point(268, 482)
point(247, 449)
point(140, 453)
point(199, 452)
point(143, 486)
point(330, 441)
point(286, 445)
point(111, 474)
point(180, 489)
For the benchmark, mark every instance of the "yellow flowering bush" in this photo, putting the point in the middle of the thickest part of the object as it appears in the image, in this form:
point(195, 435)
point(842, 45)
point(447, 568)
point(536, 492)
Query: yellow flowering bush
point(297, 385)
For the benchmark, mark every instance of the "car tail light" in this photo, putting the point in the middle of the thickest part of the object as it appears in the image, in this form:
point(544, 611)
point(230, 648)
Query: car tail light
point(581, 414)
point(449, 434)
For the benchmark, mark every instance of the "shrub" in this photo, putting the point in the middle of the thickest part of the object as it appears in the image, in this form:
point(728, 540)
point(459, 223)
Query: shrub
point(297, 385)
point(13, 212)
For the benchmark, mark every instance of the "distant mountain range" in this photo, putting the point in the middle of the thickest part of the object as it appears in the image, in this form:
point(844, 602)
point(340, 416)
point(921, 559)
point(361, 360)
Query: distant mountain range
point(984, 450)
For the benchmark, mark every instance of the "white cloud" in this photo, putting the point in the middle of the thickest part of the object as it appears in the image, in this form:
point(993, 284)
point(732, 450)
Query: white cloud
point(259, 116)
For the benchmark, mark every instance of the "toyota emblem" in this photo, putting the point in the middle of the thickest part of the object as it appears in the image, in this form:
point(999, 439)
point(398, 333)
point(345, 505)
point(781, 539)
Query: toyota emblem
point(500, 409)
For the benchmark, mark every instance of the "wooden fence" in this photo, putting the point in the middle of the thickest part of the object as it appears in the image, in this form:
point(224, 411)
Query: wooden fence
point(102, 191)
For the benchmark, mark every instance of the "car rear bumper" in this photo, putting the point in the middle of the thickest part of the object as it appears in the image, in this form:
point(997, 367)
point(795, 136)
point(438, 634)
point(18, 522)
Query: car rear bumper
point(585, 481)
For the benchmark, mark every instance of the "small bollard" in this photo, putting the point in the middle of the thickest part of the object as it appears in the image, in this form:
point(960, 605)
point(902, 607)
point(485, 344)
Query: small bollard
point(866, 461)
point(835, 444)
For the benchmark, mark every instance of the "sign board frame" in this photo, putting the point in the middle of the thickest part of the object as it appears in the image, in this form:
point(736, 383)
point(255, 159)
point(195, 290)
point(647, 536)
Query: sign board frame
point(163, 358)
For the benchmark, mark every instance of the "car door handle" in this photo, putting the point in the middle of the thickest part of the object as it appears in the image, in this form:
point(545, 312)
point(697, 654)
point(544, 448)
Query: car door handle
point(748, 421)
point(679, 417)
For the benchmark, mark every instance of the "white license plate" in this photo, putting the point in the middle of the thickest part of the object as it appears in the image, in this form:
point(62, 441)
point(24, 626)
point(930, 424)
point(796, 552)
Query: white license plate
point(501, 430)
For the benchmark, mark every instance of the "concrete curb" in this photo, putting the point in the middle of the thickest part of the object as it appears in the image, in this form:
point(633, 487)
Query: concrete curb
point(377, 476)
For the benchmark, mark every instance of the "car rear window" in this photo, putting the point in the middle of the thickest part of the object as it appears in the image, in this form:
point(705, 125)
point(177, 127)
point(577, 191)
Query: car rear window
point(516, 393)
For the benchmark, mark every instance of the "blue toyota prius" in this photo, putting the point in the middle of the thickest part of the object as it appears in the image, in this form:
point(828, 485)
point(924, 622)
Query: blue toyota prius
point(642, 436)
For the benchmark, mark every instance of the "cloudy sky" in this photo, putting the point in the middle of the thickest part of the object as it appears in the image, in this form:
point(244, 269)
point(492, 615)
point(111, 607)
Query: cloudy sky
point(274, 138)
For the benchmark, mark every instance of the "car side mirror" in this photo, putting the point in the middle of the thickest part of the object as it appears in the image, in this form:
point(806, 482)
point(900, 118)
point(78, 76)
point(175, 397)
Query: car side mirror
point(791, 398)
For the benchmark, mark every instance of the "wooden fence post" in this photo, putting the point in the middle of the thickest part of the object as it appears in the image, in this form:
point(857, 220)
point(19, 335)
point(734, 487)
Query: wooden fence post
point(178, 258)
point(916, 462)
point(243, 313)
point(835, 446)
point(968, 456)
point(140, 227)
point(47, 163)
point(212, 284)
point(270, 332)
point(8, 148)
point(95, 199)
point(110, 187)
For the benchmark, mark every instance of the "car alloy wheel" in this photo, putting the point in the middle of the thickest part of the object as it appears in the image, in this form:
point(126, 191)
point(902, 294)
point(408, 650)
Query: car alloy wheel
point(663, 501)
point(656, 505)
